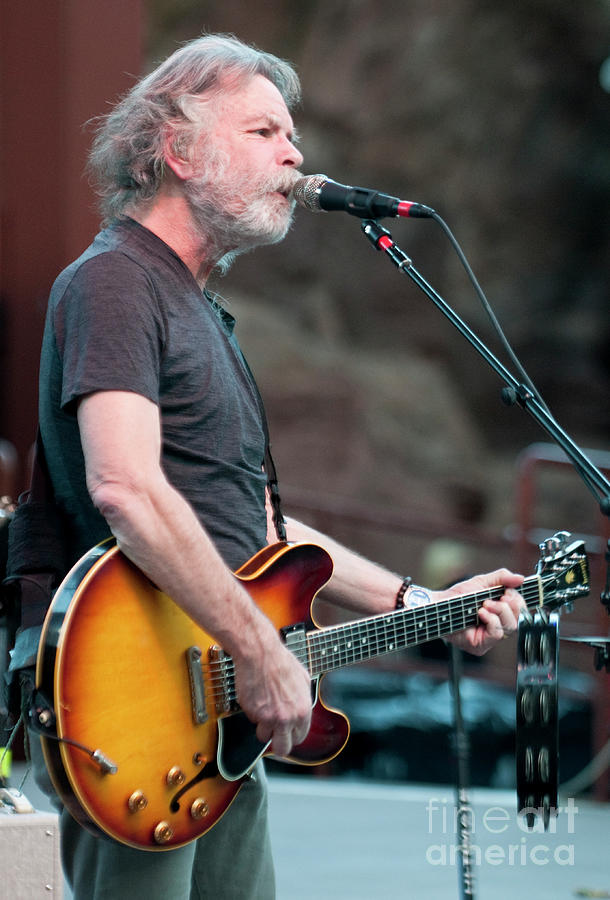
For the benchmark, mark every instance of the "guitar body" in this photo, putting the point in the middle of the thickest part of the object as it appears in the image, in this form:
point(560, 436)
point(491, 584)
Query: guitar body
point(114, 661)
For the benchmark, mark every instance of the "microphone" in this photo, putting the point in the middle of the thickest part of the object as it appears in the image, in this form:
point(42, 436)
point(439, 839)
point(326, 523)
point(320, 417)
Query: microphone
point(318, 192)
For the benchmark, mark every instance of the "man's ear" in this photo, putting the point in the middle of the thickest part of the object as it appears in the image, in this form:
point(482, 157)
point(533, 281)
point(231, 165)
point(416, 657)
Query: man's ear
point(177, 156)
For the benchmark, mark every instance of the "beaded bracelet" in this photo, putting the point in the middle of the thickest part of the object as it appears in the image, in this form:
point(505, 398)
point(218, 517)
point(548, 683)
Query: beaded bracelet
point(402, 590)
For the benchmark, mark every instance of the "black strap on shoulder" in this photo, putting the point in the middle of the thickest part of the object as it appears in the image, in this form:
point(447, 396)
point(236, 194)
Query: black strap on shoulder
point(272, 483)
point(269, 465)
point(274, 494)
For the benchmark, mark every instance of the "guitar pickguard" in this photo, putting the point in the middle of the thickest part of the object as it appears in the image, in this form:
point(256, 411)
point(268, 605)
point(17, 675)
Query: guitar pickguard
point(238, 746)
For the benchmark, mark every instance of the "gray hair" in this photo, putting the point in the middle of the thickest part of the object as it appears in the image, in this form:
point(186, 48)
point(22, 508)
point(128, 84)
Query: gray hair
point(126, 161)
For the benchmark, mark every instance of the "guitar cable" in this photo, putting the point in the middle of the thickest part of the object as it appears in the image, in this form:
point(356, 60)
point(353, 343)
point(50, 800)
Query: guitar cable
point(42, 719)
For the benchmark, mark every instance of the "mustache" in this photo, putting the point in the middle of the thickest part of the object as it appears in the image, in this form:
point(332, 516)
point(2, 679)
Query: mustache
point(285, 184)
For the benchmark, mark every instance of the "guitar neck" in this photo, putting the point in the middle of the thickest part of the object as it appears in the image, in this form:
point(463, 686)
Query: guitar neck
point(343, 645)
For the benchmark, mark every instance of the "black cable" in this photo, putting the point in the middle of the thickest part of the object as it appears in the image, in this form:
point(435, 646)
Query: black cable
point(527, 381)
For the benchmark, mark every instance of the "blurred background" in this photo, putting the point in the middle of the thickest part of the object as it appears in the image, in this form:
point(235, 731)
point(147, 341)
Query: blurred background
point(387, 428)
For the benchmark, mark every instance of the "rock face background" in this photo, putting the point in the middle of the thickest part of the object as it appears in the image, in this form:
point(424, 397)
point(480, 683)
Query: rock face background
point(492, 113)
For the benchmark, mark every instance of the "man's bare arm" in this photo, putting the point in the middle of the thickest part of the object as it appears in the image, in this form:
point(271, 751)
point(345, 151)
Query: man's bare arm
point(157, 529)
point(367, 588)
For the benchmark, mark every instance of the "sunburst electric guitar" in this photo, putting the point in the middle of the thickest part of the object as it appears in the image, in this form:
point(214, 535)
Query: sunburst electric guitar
point(141, 729)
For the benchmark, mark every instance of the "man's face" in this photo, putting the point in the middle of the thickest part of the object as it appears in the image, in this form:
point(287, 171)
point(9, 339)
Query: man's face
point(247, 165)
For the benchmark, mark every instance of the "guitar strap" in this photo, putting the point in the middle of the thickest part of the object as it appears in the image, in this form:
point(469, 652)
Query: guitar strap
point(274, 494)
point(269, 465)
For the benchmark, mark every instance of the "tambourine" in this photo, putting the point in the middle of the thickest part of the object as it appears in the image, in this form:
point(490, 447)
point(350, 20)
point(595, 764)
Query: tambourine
point(537, 750)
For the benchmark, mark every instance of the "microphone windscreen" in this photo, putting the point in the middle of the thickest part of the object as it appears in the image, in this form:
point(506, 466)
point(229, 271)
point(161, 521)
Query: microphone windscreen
point(305, 191)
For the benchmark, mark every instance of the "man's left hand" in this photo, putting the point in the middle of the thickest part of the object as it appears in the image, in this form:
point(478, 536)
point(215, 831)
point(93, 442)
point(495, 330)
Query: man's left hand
point(498, 618)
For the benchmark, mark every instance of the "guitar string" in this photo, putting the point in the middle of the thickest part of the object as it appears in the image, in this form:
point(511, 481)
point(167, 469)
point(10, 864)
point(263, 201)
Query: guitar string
point(379, 644)
point(441, 618)
point(388, 621)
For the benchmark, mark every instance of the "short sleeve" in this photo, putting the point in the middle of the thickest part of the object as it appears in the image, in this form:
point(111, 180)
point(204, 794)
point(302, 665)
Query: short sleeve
point(109, 329)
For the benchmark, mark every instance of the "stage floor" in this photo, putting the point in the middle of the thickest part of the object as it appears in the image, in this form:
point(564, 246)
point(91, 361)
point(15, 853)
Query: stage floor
point(336, 840)
point(349, 840)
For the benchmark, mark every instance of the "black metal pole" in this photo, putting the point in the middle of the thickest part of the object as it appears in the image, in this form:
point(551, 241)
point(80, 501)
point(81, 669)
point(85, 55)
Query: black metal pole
point(462, 782)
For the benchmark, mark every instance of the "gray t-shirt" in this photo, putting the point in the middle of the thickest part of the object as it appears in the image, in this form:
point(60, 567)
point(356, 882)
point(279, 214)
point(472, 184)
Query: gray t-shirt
point(128, 315)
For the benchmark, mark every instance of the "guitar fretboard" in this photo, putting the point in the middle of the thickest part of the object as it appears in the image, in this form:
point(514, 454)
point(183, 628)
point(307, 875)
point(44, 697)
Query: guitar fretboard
point(353, 642)
point(321, 650)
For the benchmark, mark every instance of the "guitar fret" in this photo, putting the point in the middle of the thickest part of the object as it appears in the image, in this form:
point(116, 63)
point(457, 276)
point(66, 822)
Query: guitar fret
point(329, 651)
point(461, 617)
point(393, 642)
point(383, 638)
point(359, 643)
point(369, 646)
point(437, 628)
point(347, 648)
point(339, 653)
point(421, 631)
point(351, 643)
point(446, 618)
point(353, 648)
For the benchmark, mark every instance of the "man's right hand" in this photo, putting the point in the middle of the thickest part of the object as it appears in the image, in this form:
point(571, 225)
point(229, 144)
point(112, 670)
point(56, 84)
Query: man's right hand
point(274, 690)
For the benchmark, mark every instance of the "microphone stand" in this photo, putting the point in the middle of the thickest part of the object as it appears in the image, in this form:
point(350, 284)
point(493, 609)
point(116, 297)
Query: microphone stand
point(462, 782)
point(514, 392)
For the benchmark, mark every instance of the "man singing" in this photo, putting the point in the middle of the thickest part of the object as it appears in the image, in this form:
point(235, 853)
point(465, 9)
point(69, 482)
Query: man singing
point(152, 424)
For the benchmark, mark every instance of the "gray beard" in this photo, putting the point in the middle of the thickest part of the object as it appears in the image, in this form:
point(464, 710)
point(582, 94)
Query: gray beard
point(231, 228)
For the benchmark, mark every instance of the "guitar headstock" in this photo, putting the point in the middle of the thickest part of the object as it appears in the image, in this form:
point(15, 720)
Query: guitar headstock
point(564, 570)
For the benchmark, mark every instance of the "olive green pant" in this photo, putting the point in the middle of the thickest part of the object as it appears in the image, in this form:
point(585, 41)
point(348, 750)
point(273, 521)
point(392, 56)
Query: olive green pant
point(231, 862)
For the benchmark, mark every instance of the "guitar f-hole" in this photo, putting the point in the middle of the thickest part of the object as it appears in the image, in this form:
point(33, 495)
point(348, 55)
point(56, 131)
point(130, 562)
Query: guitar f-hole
point(210, 770)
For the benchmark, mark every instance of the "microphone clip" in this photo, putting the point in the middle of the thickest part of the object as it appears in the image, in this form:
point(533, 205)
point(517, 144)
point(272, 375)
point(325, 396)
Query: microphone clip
point(382, 240)
point(357, 201)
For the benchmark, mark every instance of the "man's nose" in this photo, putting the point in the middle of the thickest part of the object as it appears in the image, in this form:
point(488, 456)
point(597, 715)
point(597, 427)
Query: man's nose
point(291, 156)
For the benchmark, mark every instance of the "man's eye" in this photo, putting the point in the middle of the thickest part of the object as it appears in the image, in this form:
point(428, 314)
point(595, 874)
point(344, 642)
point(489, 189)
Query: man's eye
point(264, 132)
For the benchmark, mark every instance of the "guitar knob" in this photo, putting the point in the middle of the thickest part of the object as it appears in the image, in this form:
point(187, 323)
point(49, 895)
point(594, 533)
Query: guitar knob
point(175, 776)
point(199, 808)
point(163, 833)
point(137, 802)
